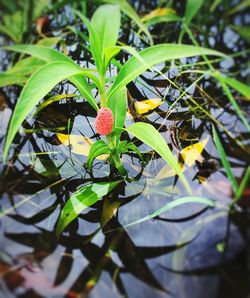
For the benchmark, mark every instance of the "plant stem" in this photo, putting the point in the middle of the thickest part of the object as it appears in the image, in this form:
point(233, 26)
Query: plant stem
point(102, 91)
point(116, 158)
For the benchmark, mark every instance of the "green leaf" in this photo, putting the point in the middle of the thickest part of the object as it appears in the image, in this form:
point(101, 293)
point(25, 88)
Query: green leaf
point(132, 147)
point(242, 187)
point(233, 102)
point(49, 41)
point(173, 204)
point(118, 104)
point(97, 149)
point(26, 66)
point(106, 24)
point(103, 32)
point(224, 160)
point(154, 55)
point(39, 84)
point(94, 41)
point(129, 11)
point(150, 136)
point(83, 198)
point(238, 86)
point(41, 52)
point(163, 19)
point(238, 7)
point(7, 79)
point(243, 31)
point(109, 53)
point(192, 7)
point(49, 55)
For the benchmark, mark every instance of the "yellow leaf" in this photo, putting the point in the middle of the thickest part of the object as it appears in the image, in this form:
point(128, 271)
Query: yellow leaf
point(158, 12)
point(144, 106)
point(78, 144)
point(193, 152)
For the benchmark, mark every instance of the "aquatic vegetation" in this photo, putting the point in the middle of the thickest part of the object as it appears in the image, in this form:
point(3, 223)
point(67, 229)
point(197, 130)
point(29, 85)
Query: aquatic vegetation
point(112, 131)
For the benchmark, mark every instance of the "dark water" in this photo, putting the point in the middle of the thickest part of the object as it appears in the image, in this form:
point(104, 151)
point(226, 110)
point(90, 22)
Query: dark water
point(96, 258)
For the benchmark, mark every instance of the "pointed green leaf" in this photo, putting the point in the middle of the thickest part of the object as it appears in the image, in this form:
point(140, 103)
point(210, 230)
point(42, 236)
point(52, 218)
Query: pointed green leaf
point(150, 136)
point(83, 198)
point(106, 24)
point(7, 79)
point(49, 55)
point(224, 160)
point(129, 11)
point(238, 86)
point(154, 55)
point(39, 84)
point(192, 7)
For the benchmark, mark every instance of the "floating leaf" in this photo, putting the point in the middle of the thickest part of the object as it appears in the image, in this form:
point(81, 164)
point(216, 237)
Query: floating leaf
point(189, 234)
point(160, 15)
point(83, 198)
point(78, 144)
point(145, 106)
point(193, 152)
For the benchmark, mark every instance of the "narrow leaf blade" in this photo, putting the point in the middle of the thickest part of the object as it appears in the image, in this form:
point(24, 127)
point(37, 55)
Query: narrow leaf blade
point(150, 136)
point(39, 84)
point(154, 55)
point(83, 198)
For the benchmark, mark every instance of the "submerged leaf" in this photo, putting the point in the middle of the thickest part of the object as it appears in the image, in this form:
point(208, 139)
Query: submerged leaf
point(174, 204)
point(83, 198)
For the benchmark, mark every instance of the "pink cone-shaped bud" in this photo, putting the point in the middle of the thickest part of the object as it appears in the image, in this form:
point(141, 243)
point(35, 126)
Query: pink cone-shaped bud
point(104, 121)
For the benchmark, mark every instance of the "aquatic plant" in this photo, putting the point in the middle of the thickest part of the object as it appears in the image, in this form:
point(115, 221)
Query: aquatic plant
point(111, 107)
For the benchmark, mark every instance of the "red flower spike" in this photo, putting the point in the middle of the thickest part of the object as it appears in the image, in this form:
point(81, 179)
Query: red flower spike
point(104, 121)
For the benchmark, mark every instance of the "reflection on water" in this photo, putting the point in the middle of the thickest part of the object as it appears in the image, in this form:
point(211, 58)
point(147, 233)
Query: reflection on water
point(190, 251)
